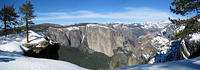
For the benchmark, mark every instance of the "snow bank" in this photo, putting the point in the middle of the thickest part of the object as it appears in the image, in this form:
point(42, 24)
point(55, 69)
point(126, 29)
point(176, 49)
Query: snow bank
point(195, 37)
point(13, 42)
point(14, 62)
point(191, 64)
point(11, 47)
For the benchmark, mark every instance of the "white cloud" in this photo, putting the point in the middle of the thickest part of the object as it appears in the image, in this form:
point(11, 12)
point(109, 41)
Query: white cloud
point(146, 14)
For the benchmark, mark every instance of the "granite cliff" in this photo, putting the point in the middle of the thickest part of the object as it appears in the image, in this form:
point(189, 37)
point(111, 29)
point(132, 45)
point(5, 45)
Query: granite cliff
point(120, 43)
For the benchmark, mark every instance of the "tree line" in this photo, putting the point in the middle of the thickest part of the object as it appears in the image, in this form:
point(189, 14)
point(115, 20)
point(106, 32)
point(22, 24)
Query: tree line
point(10, 18)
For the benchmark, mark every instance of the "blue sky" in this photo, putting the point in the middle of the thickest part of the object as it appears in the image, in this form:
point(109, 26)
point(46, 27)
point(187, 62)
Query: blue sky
point(103, 11)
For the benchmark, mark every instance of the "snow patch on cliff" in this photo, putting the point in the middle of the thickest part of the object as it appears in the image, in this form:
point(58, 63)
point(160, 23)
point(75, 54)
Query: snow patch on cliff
point(195, 37)
point(98, 25)
point(182, 27)
point(161, 44)
point(72, 28)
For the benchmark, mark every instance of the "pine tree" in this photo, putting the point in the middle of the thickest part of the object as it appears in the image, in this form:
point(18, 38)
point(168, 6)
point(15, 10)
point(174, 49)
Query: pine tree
point(8, 16)
point(27, 10)
point(184, 7)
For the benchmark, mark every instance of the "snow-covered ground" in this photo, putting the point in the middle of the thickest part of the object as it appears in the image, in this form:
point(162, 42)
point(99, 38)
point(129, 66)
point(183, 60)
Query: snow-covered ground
point(12, 61)
point(189, 64)
point(13, 43)
point(11, 57)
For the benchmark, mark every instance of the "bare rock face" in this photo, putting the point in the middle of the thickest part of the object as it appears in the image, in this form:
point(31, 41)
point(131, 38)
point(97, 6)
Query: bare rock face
point(99, 38)
point(102, 38)
point(58, 36)
point(75, 38)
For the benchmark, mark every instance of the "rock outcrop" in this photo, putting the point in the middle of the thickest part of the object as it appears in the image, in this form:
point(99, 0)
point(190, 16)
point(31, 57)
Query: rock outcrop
point(40, 46)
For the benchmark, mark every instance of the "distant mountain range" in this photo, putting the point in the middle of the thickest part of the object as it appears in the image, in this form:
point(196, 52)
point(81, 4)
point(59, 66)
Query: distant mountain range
point(118, 44)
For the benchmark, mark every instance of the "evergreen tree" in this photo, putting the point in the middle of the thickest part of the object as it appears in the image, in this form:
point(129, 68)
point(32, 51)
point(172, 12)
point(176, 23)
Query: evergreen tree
point(27, 10)
point(184, 7)
point(9, 17)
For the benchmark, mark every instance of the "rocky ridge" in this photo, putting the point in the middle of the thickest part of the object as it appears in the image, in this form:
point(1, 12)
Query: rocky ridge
point(132, 41)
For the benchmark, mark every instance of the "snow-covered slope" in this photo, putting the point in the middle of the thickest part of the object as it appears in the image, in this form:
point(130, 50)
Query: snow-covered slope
point(161, 44)
point(13, 43)
point(11, 57)
point(190, 64)
point(12, 61)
